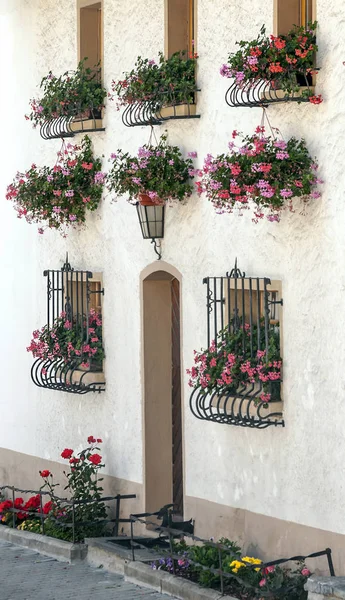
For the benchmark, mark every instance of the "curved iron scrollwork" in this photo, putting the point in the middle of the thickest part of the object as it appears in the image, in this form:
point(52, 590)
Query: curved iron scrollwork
point(164, 106)
point(262, 93)
point(72, 295)
point(66, 377)
point(242, 321)
point(242, 408)
point(77, 121)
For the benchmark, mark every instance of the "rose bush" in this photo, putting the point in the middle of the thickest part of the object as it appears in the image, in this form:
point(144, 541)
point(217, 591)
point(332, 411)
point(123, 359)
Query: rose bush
point(263, 174)
point(60, 196)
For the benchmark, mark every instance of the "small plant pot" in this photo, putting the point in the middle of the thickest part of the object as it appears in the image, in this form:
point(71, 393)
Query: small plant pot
point(145, 200)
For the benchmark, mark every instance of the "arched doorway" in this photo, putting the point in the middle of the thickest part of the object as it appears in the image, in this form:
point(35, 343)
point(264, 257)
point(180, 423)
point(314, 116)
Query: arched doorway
point(162, 390)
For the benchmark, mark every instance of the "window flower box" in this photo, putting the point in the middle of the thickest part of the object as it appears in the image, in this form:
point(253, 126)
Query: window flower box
point(152, 93)
point(273, 69)
point(72, 103)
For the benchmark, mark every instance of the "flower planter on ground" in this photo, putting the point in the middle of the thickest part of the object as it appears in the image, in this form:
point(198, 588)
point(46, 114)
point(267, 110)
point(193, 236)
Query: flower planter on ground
point(71, 103)
point(151, 93)
point(273, 69)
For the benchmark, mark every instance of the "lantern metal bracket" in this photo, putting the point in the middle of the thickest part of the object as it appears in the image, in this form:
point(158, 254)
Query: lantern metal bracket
point(157, 247)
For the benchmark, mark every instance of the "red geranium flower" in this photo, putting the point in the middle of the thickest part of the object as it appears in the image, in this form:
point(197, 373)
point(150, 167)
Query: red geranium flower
point(67, 453)
point(45, 473)
point(95, 459)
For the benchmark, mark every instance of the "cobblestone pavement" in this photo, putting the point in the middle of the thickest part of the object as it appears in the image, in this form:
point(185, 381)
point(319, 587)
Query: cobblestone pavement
point(27, 575)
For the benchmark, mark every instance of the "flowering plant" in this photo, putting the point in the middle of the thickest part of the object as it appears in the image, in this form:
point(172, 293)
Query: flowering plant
point(172, 80)
point(65, 340)
point(88, 511)
point(250, 577)
point(284, 61)
point(159, 171)
point(263, 173)
point(234, 359)
point(69, 95)
point(59, 196)
point(22, 510)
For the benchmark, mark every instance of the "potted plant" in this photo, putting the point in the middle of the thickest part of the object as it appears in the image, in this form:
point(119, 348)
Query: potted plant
point(169, 83)
point(68, 341)
point(234, 361)
point(286, 62)
point(60, 196)
point(77, 94)
point(157, 174)
point(263, 174)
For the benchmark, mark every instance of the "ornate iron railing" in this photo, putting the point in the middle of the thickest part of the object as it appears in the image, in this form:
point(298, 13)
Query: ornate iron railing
point(262, 93)
point(164, 106)
point(76, 121)
point(225, 577)
point(75, 524)
point(69, 291)
point(248, 308)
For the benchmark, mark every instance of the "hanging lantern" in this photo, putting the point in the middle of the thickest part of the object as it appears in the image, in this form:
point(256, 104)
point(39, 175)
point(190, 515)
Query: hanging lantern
point(151, 219)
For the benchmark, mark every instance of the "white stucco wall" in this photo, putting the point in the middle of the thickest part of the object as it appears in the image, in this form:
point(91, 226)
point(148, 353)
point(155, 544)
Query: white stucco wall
point(293, 473)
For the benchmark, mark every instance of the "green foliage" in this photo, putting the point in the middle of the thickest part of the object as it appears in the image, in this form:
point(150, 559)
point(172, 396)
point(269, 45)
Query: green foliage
point(172, 81)
point(69, 95)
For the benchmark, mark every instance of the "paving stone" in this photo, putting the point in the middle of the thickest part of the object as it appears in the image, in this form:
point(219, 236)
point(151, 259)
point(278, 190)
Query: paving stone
point(28, 575)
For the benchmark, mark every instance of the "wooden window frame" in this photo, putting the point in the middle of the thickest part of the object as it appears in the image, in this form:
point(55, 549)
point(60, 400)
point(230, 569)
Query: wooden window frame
point(84, 4)
point(303, 19)
point(192, 27)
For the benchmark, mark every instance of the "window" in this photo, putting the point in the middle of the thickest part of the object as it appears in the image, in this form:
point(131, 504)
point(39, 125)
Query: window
point(72, 357)
point(90, 32)
point(293, 12)
point(179, 25)
point(237, 380)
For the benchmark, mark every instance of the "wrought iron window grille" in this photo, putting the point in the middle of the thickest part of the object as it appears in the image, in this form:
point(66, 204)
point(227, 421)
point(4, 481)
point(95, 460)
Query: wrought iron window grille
point(248, 307)
point(70, 291)
point(263, 93)
point(165, 106)
point(77, 121)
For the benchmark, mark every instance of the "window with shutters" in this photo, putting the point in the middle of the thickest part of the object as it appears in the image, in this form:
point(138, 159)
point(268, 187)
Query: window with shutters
point(237, 380)
point(69, 348)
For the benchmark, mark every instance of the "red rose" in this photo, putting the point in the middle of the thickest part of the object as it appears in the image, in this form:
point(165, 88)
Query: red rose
point(33, 502)
point(99, 441)
point(67, 453)
point(91, 439)
point(45, 473)
point(95, 459)
point(47, 507)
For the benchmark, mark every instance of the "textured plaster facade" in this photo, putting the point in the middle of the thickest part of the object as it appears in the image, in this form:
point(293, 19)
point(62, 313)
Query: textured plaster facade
point(294, 474)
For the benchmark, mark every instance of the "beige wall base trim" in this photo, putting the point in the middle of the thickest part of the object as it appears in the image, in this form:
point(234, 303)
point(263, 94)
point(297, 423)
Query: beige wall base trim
point(22, 471)
point(266, 537)
point(59, 549)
